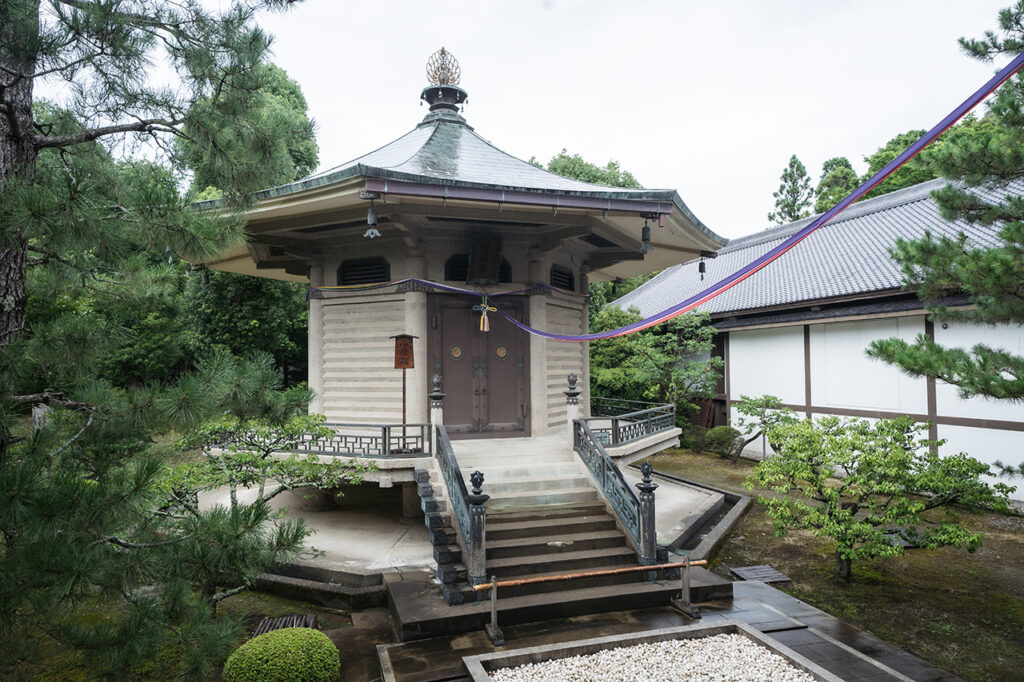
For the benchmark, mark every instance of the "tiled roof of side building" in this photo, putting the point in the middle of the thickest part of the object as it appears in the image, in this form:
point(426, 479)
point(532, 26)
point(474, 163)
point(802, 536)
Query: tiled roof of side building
point(846, 257)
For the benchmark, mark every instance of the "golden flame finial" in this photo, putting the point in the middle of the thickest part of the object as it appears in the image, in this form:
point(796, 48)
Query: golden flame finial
point(443, 69)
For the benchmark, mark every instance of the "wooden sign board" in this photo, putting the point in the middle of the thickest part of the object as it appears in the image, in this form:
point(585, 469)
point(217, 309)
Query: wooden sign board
point(403, 351)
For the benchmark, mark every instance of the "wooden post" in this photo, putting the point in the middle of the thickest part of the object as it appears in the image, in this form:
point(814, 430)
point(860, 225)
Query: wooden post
point(404, 361)
point(683, 604)
point(492, 629)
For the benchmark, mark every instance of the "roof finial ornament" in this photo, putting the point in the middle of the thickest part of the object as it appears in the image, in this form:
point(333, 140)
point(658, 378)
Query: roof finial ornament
point(443, 68)
point(443, 94)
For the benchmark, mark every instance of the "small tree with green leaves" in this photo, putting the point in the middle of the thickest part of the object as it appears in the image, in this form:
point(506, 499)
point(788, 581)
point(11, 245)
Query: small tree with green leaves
point(758, 416)
point(794, 196)
point(668, 363)
point(853, 482)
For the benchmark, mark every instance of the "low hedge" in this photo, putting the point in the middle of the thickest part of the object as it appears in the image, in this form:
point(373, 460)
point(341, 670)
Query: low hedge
point(285, 655)
point(724, 441)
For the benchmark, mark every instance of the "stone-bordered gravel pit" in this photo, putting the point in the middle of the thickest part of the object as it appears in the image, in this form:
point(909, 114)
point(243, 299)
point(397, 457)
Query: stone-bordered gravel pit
point(727, 651)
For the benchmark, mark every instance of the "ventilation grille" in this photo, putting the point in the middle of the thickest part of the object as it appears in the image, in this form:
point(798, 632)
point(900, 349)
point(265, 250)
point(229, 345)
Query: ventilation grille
point(364, 271)
point(562, 278)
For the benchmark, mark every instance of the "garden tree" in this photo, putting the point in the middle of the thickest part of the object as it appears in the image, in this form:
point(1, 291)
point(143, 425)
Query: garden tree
point(105, 54)
point(255, 420)
point(909, 174)
point(988, 152)
point(244, 314)
point(81, 232)
point(603, 293)
point(669, 363)
point(838, 179)
point(666, 363)
point(239, 312)
point(888, 476)
point(278, 121)
point(758, 416)
point(574, 166)
point(794, 195)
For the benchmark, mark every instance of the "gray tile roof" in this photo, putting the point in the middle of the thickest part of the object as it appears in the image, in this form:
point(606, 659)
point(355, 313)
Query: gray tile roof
point(444, 149)
point(846, 257)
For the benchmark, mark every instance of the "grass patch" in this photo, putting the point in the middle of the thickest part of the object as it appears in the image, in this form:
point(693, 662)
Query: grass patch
point(962, 612)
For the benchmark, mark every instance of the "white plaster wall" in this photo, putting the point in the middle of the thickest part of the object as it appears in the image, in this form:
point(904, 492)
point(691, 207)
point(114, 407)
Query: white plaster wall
point(961, 335)
point(842, 375)
point(767, 362)
point(986, 445)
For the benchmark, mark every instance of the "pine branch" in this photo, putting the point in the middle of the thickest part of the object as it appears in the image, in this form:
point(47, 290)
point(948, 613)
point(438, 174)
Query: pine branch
point(220, 596)
point(52, 398)
point(152, 125)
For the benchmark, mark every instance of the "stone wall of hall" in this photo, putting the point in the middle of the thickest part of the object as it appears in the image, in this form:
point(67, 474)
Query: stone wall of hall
point(359, 383)
point(565, 315)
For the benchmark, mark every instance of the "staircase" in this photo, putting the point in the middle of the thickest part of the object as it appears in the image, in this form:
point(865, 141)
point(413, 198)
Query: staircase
point(544, 517)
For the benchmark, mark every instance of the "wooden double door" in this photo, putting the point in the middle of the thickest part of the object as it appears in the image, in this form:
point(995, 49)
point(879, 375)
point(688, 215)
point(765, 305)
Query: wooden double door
point(484, 374)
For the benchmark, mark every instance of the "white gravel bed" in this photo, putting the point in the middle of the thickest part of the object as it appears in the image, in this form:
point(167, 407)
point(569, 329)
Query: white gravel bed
point(719, 658)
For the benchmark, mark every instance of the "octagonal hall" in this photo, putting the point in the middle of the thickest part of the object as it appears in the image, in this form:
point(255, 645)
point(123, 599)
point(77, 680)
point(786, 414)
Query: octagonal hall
point(408, 239)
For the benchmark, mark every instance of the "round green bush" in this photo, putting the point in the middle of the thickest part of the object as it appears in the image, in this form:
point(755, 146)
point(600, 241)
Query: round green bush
point(285, 655)
point(722, 440)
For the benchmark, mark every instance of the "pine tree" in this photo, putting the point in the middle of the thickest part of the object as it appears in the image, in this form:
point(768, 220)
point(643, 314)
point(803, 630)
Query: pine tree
point(989, 153)
point(838, 179)
point(96, 551)
point(794, 195)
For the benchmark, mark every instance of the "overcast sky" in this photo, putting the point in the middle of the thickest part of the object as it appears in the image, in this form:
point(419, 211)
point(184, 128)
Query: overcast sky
point(708, 98)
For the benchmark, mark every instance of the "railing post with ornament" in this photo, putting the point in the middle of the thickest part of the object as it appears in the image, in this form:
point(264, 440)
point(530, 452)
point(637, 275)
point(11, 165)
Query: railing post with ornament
point(436, 397)
point(572, 405)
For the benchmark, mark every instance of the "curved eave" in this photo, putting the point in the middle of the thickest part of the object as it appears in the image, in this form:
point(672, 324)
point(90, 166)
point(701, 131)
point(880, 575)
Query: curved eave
point(677, 234)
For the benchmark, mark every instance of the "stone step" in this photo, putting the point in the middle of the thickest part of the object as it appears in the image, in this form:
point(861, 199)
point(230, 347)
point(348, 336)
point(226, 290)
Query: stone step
point(511, 485)
point(563, 562)
point(496, 472)
point(524, 458)
point(419, 610)
point(545, 512)
point(531, 498)
point(498, 529)
point(553, 545)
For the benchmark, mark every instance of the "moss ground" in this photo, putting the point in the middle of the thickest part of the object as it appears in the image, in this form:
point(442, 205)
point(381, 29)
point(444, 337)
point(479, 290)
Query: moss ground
point(55, 663)
point(962, 612)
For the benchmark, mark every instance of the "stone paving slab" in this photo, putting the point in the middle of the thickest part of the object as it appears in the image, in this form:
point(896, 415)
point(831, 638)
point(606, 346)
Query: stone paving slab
point(762, 572)
point(838, 647)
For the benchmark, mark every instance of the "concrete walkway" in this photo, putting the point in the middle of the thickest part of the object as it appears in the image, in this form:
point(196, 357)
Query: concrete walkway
point(364, 540)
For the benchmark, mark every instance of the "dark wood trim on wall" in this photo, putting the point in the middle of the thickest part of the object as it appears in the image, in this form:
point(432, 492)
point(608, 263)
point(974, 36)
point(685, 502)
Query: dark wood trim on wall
point(933, 431)
point(726, 369)
point(999, 424)
point(807, 370)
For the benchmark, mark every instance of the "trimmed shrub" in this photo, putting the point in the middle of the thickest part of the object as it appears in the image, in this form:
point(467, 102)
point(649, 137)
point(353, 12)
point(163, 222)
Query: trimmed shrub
point(693, 437)
point(723, 440)
point(285, 655)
